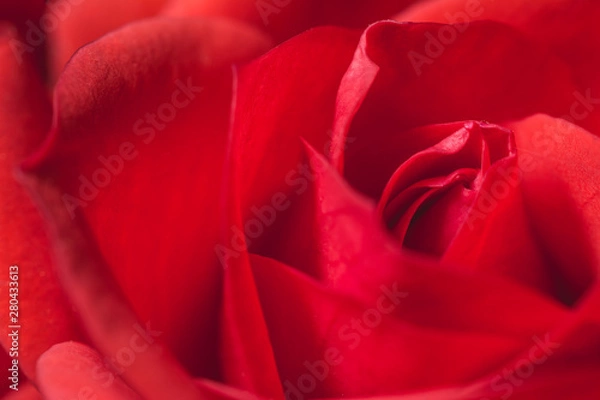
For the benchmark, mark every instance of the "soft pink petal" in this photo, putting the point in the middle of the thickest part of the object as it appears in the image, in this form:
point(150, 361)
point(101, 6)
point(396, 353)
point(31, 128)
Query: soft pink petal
point(72, 370)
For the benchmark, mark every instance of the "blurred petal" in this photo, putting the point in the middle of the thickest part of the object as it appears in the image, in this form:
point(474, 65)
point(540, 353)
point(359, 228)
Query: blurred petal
point(246, 349)
point(44, 315)
point(560, 158)
point(273, 105)
point(360, 270)
point(370, 352)
point(26, 392)
point(495, 235)
point(568, 27)
point(287, 94)
point(78, 22)
point(283, 19)
point(438, 311)
point(358, 257)
point(217, 391)
point(72, 370)
point(140, 115)
point(21, 10)
point(463, 82)
point(110, 322)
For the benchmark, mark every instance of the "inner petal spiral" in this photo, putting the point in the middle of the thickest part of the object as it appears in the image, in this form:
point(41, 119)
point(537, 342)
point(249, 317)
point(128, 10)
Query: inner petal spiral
point(430, 193)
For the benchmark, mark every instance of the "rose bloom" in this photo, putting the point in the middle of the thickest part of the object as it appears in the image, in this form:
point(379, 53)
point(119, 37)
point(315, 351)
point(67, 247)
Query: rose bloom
point(298, 199)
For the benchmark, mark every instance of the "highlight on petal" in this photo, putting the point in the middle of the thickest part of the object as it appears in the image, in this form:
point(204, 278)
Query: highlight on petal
point(44, 315)
point(72, 370)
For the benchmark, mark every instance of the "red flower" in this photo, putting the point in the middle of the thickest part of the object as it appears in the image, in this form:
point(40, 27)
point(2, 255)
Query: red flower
point(409, 209)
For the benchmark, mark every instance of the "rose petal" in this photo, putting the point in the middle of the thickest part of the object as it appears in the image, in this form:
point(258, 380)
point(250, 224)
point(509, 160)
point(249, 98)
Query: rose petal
point(552, 381)
point(564, 160)
point(553, 366)
point(569, 28)
point(478, 224)
point(495, 235)
point(281, 97)
point(272, 122)
point(371, 353)
point(20, 10)
point(120, 167)
point(287, 94)
point(423, 291)
point(78, 22)
point(286, 18)
point(217, 391)
point(109, 320)
point(246, 350)
point(453, 167)
point(482, 86)
point(357, 276)
point(23, 14)
point(358, 257)
point(72, 370)
point(243, 353)
point(25, 116)
point(26, 392)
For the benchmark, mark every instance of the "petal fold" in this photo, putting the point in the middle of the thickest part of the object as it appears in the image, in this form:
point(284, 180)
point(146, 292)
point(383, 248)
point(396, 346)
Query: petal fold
point(44, 314)
point(139, 115)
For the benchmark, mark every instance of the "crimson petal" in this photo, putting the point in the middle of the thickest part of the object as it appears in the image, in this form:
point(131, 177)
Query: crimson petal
point(569, 28)
point(282, 97)
point(400, 92)
point(79, 22)
point(344, 220)
point(140, 125)
point(44, 314)
point(335, 345)
point(286, 18)
point(27, 391)
point(562, 159)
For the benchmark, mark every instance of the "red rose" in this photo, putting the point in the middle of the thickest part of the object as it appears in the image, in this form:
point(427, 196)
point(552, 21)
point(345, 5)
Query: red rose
point(409, 209)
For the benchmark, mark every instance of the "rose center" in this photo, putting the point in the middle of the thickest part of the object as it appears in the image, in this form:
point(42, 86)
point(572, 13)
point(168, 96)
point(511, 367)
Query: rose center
point(426, 200)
